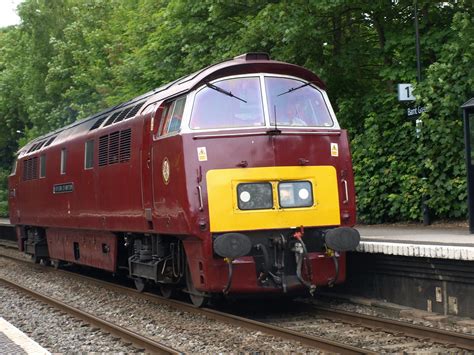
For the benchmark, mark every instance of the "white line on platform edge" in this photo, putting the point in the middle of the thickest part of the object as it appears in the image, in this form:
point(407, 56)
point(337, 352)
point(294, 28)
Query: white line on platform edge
point(21, 339)
point(418, 250)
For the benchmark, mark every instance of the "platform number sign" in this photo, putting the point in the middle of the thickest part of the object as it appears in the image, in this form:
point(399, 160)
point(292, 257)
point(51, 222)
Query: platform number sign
point(405, 92)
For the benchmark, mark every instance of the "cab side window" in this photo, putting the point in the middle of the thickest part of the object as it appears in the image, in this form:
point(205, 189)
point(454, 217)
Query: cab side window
point(172, 116)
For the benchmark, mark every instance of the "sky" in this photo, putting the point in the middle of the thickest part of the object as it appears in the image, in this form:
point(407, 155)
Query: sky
point(8, 15)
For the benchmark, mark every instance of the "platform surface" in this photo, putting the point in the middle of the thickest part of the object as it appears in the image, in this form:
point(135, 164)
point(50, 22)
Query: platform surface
point(444, 242)
point(5, 221)
point(14, 341)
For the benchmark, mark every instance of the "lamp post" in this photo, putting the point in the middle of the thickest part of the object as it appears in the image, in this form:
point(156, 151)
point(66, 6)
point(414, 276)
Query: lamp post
point(424, 206)
point(468, 116)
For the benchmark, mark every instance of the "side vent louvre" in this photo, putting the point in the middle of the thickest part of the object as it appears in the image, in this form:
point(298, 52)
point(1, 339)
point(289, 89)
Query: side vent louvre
point(125, 144)
point(34, 168)
point(115, 147)
point(98, 123)
point(30, 169)
point(103, 150)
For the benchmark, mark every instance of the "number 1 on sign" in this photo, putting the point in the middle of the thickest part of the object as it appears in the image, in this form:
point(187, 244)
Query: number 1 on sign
point(405, 92)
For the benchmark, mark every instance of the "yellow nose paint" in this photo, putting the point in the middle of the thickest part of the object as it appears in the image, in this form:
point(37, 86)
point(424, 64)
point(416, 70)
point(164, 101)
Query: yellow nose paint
point(226, 216)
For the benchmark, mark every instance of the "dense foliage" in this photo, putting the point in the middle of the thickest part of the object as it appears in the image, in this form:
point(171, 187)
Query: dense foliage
point(70, 58)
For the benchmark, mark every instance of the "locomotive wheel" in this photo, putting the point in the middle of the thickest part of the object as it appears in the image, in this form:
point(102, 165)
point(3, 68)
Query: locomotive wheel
point(139, 284)
point(198, 298)
point(167, 291)
point(35, 259)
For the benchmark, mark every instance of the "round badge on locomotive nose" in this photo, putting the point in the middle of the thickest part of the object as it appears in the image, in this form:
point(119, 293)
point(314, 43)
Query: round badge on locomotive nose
point(165, 170)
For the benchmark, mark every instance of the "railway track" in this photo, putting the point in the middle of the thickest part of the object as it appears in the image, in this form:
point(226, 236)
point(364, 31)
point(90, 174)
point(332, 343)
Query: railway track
point(397, 327)
point(374, 333)
point(287, 334)
point(296, 331)
point(136, 339)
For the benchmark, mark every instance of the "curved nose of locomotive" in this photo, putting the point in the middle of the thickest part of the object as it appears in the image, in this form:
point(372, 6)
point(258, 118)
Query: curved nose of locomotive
point(342, 238)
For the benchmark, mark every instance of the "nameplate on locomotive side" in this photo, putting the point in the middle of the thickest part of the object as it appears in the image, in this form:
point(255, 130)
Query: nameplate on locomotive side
point(63, 188)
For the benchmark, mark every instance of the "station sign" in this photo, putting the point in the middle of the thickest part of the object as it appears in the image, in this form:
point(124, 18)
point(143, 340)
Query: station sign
point(405, 92)
point(415, 111)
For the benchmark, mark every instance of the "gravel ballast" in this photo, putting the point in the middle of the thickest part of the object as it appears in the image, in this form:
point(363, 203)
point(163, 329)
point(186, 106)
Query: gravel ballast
point(187, 332)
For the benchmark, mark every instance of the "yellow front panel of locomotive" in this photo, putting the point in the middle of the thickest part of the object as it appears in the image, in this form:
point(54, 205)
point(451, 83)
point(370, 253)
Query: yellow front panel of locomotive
point(226, 216)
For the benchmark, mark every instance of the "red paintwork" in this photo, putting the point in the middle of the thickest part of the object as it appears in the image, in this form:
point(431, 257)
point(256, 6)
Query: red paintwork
point(60, 247)
point(115, 198)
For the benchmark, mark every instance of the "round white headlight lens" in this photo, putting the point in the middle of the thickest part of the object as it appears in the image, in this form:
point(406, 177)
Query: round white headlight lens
point(303, 194)
point(245, 196)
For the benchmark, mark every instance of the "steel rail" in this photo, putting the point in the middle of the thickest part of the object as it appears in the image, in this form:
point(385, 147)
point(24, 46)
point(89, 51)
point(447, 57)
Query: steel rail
point(138, 340)
point(283, 333)
point(456, 339)
point(445, 337)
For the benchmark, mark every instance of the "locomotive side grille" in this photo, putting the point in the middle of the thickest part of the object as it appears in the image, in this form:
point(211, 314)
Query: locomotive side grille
point(103, 150)
point(98, 123)
point(114, 147)
point(30, 169)
point(34, 168)
point(25, 170)
point(134, 110)
point(125, 144)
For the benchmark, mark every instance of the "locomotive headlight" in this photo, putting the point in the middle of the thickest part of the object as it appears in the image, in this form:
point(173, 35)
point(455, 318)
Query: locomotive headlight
point(295, 194)
point(255, 196)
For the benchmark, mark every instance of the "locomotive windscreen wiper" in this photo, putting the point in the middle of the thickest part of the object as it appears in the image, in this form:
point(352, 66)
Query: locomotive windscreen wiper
point(294, 89)
point(225, 92)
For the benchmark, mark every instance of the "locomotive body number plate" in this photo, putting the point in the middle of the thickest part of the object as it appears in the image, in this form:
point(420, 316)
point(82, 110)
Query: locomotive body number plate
point(63, 188)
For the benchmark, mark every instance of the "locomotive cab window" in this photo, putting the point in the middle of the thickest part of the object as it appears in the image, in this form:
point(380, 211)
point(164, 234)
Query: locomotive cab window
point(63, 161)
point(255, 196)
point(89, 154)
point(172, 116)
point(42, 172)
point(296, 103)
point(229, 103)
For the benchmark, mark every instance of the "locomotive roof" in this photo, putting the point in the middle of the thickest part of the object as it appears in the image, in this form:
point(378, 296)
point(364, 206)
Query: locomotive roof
point(244, 64)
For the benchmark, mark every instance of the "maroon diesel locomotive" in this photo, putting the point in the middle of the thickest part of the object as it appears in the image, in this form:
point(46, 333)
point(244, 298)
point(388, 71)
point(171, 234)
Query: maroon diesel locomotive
point(236, 179)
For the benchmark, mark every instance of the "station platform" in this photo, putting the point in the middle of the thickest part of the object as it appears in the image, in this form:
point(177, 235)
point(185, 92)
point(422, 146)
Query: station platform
point(5, 221)
point(440, 242)
point(14, 341)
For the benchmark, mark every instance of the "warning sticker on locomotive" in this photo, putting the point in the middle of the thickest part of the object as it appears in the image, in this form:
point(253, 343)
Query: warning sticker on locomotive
point(165, 170)
point(202, 154)
point(334, 150)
